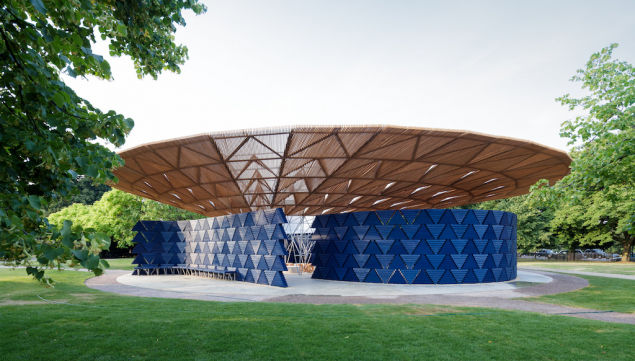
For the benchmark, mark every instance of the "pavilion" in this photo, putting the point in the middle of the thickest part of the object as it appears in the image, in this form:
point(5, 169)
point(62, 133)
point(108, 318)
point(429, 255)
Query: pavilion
point(381, 196)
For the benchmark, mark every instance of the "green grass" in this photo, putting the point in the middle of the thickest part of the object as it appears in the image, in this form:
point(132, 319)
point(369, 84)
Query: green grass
point(601, 267)
point(606, 294)
point(92, 325)
point(120, 263)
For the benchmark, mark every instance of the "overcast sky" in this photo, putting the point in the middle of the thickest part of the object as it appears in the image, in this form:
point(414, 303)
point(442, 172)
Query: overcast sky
point(488, 66)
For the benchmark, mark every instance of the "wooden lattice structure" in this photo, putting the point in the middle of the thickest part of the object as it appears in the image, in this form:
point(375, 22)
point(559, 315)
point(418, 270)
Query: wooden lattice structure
point(320, 170)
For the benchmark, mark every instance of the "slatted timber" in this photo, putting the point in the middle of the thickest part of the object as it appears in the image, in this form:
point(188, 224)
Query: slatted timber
point(321, 170)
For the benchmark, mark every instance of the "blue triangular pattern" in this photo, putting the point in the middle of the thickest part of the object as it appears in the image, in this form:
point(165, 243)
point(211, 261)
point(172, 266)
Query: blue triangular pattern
point(410, 244)
point(448, 217)
point(480, 215)
point(459, 244)
point(340, 272)
point(410, 260)
point(497, 245)
point(410, 274)
point(447, 263)
point(410, 215)
point(435, 259)
point(397, 248)
point(372, 233)
point(361, 259)
point(372, 262)
point(340, 245)
point(397, 263)
point(351, 221)
point(340, 231)
point(422, 278)
point(361, 218)
point(262, 279)
point(372, 248)
point(361, 245)
point(384, 216)
point(397, 233)
point(340, 218)
point(459, 259)
point(490, 219)
point(384, 245)
point(423, 218)
point(397, 219)
point(435, 274)
point(435, 214)
point(372, 277)
point(480, 274)
point(459, 274)
point(350, 276)
point(360, 231)
point(423, 233)
point(279, 280)
point(480, 230)
point(385, 259)
point(350, 234)
point(361, 273)
point(447, 278)
point(385, 274)
point(410, 230)
point(480, 245)
point(384, 231)
point(459, 230)
point(435, 229)
point(496, 272)
point(350, 248)
point(340, 259)
point(480, 259)
point(350, 262)
point(435, 244)
point(423, 248)
point(397, 278)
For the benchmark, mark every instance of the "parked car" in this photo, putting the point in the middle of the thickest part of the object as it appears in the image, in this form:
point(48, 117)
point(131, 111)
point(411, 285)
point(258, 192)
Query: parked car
point(595, 253)
point(545, 253)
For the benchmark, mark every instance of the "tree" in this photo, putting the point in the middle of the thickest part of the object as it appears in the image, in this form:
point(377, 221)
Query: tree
point(116, 213)
point(49, 134)
point(596, 202)
point(87, 192)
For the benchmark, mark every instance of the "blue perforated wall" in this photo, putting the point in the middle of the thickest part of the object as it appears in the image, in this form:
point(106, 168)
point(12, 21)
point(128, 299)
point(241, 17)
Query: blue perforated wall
point(427, 246)
point(251, 244)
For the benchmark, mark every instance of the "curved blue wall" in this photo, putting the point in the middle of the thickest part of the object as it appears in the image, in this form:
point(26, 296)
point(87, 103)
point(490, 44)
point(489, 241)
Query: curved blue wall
point(427, 246)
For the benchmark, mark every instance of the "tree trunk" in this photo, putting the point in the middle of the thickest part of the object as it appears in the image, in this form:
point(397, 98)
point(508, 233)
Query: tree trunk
point(627, 245)
point(571, 255)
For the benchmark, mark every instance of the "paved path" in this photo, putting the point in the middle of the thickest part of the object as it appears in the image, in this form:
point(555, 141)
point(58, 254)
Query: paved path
point(584, 273)
point(561, 283)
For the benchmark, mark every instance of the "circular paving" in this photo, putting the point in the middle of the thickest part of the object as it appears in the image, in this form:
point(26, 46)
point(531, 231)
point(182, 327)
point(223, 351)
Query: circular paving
point(305, 286)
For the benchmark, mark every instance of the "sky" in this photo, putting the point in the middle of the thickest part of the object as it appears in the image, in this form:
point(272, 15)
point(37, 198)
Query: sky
point(492, 67)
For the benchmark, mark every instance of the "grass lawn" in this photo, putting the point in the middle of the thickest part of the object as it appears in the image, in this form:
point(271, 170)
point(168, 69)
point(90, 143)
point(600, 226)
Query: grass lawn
point(93, 325)
point(120, 263)
point(606, 294)
point(602, 267)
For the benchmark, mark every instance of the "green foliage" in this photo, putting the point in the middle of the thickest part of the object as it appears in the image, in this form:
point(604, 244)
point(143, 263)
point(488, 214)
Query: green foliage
point(50, 135)
point(86, 192)
point(595, 204)
point(116, 213)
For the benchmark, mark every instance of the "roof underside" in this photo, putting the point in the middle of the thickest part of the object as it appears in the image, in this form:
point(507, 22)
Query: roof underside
point(317, 170)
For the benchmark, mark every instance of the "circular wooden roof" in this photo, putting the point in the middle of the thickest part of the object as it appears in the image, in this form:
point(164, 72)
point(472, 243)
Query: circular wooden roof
point(317, 170)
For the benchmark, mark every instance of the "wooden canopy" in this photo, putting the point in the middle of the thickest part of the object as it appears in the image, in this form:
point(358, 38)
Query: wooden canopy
point(318, 170)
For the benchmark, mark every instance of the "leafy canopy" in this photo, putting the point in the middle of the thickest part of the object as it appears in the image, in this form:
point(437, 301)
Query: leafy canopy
point(116, 213)
point(595, 203)
point(50, 135)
